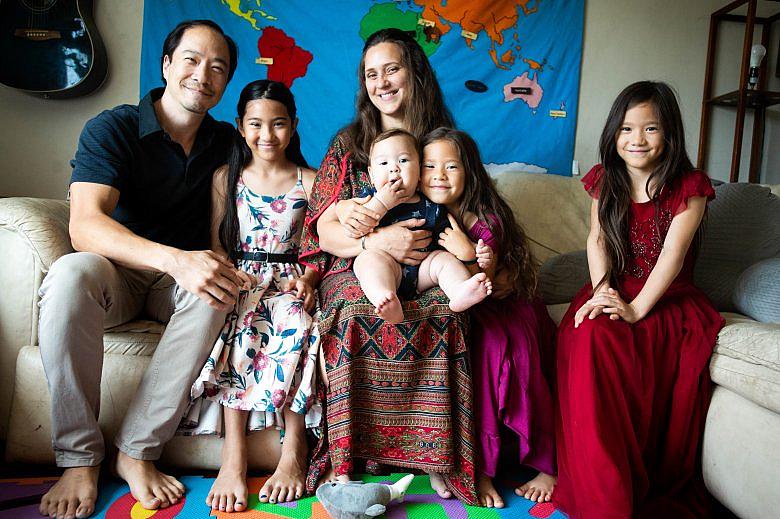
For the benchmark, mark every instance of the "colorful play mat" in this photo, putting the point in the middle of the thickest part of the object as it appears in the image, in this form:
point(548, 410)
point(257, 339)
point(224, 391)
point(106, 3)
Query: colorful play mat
point(19, 500)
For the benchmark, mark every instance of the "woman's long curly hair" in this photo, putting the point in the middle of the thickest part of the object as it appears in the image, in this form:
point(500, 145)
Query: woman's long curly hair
point(240, 155)
point(424, 107)
point(615, 185)
point(481, 197)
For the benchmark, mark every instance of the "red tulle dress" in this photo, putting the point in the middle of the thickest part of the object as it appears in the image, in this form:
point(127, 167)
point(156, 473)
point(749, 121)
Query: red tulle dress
point(633, 398)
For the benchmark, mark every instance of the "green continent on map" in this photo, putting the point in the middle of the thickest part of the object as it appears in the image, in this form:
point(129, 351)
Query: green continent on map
point(289, 60)
point(381, 16)
point(247, 14)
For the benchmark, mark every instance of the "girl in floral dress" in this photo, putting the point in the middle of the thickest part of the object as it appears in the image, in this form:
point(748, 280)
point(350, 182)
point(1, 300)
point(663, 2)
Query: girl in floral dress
point(260, 375)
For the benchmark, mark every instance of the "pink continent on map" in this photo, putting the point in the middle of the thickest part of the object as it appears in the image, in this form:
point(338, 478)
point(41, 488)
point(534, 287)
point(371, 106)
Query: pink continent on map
point(532, 98)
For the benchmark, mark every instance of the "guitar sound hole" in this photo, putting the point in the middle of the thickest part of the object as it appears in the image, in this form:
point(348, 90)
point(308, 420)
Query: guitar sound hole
point(38, 6)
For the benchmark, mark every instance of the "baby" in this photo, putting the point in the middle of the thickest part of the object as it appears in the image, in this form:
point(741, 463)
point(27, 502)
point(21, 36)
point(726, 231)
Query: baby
point(395, 171)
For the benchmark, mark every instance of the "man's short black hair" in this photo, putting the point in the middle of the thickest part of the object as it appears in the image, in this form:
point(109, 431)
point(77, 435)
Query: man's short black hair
point(174, 38)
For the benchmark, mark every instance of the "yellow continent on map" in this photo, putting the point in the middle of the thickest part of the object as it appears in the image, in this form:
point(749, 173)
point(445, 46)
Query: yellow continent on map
point(249, 14)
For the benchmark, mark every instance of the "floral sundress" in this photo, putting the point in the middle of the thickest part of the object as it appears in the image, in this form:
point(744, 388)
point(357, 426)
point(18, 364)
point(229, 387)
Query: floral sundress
point(266, 355)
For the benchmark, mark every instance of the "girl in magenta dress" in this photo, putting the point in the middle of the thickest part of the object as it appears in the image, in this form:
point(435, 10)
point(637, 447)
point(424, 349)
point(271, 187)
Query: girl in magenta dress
point(633, 385)
point(509, 389)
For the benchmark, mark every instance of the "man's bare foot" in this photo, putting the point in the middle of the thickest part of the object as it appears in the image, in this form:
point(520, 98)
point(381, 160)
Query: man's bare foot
point(149, 486)
point(487, 495)
point(229, 492)
point(539, 489)
point(287, 483)
point(471, 292)
point(437, 483)
point(389, 308)
point(73, 495)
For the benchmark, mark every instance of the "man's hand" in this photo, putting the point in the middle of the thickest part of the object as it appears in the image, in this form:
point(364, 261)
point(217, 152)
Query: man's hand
point(207, 275)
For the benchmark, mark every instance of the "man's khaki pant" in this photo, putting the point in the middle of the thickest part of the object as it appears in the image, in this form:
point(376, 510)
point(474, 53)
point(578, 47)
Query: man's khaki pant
point(82, 295)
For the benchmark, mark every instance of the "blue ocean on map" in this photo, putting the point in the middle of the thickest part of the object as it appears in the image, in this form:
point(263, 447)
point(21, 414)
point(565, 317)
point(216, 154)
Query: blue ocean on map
point(526, 118)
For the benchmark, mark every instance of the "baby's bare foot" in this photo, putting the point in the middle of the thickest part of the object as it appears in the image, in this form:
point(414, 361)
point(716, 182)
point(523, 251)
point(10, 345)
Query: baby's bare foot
point(389, 308)
point(437, 483)
point(73, 495)
point(539, 489)
point(487, 495)
point(471, 292)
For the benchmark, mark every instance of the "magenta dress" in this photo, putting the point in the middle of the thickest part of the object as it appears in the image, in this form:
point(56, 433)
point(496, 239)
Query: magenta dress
point(510, 389)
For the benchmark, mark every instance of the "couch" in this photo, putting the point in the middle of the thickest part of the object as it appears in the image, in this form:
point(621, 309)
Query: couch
point(741, 459)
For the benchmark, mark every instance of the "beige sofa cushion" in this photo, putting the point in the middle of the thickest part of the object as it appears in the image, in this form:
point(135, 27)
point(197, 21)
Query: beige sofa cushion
point(134, 338)
point(747, 360)
point(553, 210)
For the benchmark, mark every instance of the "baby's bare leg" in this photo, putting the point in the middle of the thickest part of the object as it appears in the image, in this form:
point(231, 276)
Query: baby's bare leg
point(379, 275)
point(445, 270)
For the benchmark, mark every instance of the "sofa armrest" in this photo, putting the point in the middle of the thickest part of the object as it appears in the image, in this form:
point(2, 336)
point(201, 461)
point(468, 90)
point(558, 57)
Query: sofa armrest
point(33, 234)
point(41, 224)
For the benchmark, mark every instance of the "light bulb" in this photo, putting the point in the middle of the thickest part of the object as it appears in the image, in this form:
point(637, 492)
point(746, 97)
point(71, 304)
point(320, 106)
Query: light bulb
point(757, 53)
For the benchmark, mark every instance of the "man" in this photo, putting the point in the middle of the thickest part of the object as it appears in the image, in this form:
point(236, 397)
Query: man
point(140, 220)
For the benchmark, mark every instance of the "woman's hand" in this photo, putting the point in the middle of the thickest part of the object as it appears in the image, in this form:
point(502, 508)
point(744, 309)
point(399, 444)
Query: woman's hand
point(356, 219)
point(402, 242)
point(301, 289)
point(456, 242)
point(484, 255)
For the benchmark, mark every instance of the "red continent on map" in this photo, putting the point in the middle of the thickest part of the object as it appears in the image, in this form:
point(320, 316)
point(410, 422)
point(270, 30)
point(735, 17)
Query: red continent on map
point(290, 61)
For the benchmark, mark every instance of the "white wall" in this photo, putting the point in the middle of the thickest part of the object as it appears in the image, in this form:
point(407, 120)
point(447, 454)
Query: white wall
point(666, 40)
point(625, 41)
point(38, 137)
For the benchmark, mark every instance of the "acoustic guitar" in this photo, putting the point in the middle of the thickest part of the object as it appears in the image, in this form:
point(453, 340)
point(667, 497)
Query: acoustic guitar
point(51, 47)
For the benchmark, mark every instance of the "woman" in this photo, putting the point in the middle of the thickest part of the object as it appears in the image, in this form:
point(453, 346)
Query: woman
point(397, 394)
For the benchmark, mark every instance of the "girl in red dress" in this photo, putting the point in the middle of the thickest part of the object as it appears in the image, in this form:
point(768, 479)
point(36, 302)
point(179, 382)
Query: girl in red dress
point(634, 346)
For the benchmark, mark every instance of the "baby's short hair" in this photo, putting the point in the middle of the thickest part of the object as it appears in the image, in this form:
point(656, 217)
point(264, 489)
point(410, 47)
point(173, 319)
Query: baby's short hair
point(395, 132)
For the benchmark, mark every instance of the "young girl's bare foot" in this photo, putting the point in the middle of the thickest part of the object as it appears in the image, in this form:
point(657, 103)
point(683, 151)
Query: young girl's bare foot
point(437, 483)
point(487, 495)
point(389, 308)
point(539, 489)
point(471, 292)
point(288, 480)
point(229, 492)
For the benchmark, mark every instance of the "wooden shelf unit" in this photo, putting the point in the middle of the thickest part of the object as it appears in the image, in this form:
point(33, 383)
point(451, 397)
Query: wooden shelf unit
point(742, 98)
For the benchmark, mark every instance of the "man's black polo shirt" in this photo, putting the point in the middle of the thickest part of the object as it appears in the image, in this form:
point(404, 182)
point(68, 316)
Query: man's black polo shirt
point(164, 195)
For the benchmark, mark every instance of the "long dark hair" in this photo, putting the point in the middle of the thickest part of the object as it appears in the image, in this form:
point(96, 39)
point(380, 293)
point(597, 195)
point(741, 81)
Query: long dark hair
point(424, 102)
point(481, 197)
point(240, 155)
point(615, 184)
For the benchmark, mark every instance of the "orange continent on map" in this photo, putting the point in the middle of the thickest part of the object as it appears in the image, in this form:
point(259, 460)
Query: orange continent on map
point(476, 16)
point(289, 60)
